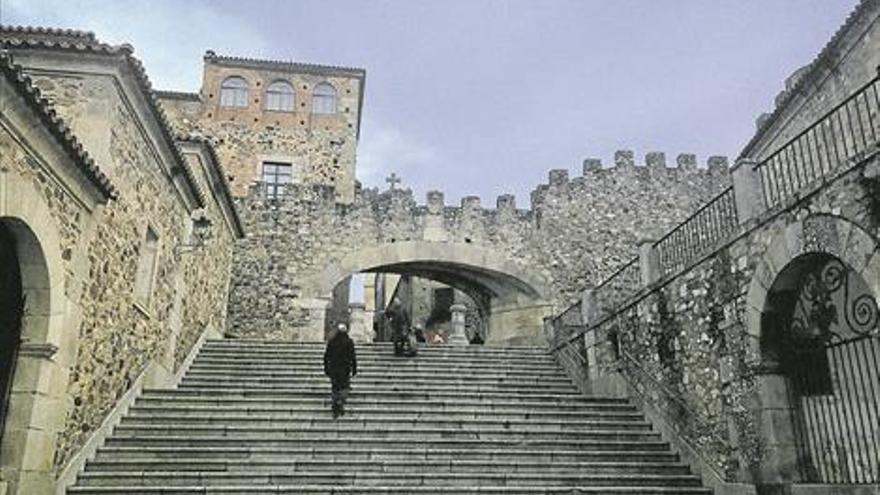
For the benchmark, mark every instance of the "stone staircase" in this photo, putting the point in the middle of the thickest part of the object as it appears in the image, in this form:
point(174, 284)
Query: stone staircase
point(252, 417)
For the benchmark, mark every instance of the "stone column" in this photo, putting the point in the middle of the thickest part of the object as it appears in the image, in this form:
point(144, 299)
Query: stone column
point(457, 336)
point(359, 330)
point(313, 330)
point(649, 262)
point(779, 464)
point(747, 191)
point(589, 315)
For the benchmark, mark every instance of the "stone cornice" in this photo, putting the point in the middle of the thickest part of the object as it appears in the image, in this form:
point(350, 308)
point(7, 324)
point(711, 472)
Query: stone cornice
point(55, 125)
point(285, 66)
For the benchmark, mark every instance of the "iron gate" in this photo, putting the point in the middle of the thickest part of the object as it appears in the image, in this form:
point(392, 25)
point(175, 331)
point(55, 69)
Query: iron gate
point(833, 364)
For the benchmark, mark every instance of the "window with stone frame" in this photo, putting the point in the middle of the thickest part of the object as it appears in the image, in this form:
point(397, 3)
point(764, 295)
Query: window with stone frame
point(145, 277)
point(280, 97)
point(324, 99)
point(276, 176)
point(234, 92)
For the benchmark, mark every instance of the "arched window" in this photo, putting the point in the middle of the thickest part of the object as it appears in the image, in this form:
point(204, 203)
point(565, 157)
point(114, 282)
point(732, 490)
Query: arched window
point(280, 96)
point(324, 99)
point(234, 92)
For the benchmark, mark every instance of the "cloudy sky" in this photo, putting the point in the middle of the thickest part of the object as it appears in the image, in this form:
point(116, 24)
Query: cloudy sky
point(485, 96)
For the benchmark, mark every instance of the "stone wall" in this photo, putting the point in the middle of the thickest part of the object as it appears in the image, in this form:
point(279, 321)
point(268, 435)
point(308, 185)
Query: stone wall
point(699, 333)
point(574, 234)
point(116, 336)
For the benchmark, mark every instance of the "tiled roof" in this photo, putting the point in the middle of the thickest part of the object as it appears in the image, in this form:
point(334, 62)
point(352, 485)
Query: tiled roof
point(808, 73)
point(55, 125)
point(177, 95)
point(78, 41)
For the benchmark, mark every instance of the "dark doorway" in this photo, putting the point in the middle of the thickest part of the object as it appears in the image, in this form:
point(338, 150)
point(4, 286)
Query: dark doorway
point(11, 310)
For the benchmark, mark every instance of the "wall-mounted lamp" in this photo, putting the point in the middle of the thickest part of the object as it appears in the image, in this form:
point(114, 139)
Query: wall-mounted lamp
point(201, 232)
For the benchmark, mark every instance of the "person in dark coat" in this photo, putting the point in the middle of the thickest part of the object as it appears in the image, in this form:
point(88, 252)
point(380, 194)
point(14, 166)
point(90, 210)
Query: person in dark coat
point(399, 325)
point(340, 364)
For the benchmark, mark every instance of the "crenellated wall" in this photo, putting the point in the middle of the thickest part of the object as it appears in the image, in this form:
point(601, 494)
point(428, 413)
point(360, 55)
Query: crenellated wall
point(574, 233)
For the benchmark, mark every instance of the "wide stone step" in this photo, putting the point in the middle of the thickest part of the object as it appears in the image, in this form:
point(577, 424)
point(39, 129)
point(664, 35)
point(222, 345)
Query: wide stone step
point(390, 466)
point(381, 347)
point(368, 404)
point(391, 375)
point(231, 359)
point(404, 412)
point(356, 431)
point(391, 490)
point(178, 440)
point(378, 366)
point(377, 359)
point(409, 390)
point(178, 478)
point(379, 423)
point(415, 453)
point(383, 384)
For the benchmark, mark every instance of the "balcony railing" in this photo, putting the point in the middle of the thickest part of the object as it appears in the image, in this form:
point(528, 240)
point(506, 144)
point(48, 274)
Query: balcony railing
point(714, 221)
point(843, 133)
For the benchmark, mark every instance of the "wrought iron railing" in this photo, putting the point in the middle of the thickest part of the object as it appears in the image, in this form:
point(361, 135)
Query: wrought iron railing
point(713, 222)
point(847, 130)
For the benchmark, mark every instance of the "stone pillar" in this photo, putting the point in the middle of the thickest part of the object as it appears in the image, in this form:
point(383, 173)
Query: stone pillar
point(589, 315)
point(359, 329)
point(779, 464)
point(649, 263)
point(457, 336)
point(747, 192)
point(313, 331)
point(589, 310)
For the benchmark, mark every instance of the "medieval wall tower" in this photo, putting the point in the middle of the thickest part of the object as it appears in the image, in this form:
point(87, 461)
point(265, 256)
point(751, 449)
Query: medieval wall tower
point(276, 122)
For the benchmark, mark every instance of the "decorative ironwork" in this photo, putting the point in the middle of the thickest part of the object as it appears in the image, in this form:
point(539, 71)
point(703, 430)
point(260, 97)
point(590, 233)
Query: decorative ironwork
point(824, 294)
point(833, 365)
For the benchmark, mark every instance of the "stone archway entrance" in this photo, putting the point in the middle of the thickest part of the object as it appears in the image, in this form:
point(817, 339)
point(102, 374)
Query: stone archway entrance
point(516, 296)
point(820, 328)
point(11, 312)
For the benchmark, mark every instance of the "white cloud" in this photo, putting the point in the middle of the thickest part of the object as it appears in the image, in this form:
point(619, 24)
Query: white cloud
point(384, 149)
point(169, 36)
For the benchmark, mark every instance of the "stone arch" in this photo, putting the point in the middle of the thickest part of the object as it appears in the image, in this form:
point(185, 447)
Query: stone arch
point(519, 296)
point(475, 259)
point(791, 245)
point(37, 400)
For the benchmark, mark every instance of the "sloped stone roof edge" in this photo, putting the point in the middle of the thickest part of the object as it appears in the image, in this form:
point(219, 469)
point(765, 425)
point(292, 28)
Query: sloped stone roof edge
point(31, 39)
point(56, 125)
point(811, 71)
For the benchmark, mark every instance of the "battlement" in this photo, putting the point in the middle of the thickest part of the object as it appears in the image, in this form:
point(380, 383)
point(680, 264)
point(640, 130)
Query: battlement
point(610, 185)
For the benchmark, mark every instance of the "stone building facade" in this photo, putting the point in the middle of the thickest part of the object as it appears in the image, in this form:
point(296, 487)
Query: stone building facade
point(123, 268)
point(303, 117)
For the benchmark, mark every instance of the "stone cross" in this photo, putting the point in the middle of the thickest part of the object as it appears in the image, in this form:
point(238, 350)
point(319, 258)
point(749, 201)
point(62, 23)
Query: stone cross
point(393, 180)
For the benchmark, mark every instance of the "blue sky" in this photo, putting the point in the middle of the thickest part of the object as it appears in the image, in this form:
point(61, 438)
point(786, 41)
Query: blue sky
point(484, 97)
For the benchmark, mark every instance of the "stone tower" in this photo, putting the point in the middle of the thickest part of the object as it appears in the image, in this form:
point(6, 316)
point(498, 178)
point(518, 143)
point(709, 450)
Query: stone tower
point(276, 122)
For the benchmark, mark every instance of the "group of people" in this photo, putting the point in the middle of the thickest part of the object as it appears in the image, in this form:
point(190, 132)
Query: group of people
point(340, 357)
